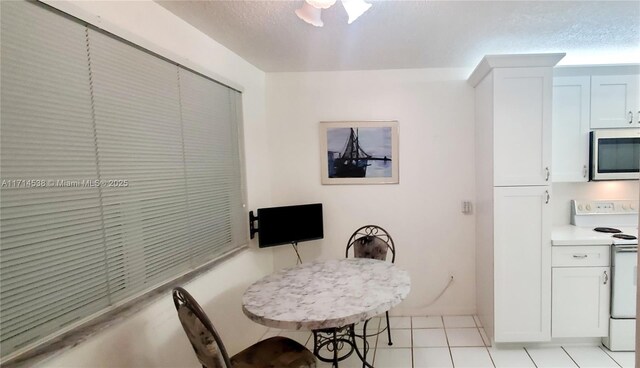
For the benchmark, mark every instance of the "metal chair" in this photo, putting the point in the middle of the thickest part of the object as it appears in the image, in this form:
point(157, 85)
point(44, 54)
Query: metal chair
point(206, 342)
point(372, 241)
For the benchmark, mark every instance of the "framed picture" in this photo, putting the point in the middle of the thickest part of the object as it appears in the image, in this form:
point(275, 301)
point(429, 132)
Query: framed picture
point(359, 152)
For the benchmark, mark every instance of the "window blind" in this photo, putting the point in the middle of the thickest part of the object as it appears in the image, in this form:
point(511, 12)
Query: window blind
point(52, 267)
point(139, 139)
point(120, 171)
point(208, 190)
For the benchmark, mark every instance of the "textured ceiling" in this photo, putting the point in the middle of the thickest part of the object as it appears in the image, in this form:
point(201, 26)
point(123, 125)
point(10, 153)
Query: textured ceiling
point(417, 34)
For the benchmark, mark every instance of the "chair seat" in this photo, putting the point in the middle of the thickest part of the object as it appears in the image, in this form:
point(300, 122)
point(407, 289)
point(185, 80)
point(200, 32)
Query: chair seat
point(275, 352)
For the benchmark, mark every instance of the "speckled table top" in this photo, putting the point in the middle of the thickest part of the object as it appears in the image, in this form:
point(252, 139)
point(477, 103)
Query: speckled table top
point(326, 294)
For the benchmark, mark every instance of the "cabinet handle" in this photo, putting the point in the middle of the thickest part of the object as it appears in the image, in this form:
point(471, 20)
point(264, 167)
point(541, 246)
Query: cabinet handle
point(548, 173)
point(584, 171)
point(630, 117)
point(548, 197)
point(606, 278)
point(581, 256)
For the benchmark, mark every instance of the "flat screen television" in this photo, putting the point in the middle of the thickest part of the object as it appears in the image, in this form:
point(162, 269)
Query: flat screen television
point(289, 224)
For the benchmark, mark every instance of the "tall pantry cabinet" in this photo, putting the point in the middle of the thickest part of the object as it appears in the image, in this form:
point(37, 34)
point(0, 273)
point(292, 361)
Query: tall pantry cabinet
point(513, 194)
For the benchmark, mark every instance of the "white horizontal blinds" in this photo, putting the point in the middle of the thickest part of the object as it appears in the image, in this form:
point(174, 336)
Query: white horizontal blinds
point(212, 165)
point(79, 107)
point(52, 268)
point(139, 135)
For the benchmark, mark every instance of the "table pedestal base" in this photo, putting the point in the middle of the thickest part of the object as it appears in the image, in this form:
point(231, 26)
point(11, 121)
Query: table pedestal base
point(336, 339)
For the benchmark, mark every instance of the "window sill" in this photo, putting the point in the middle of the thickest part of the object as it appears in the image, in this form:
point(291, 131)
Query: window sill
point(84, 330)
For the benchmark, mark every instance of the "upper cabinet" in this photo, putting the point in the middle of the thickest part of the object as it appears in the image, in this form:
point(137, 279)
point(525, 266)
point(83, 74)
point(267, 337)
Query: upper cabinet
point(513, 118)
point(522, 126)
point(570, 135)
point(615, 101)
point(587, 98)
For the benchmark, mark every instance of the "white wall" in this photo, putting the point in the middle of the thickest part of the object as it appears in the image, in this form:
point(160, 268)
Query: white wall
point(435, 110)
point(154, 337)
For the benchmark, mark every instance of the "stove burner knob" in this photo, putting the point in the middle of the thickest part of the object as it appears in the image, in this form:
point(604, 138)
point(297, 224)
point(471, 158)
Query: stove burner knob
point(588, 207)
point(624, 206)
point(632, 206)
point(580, 207)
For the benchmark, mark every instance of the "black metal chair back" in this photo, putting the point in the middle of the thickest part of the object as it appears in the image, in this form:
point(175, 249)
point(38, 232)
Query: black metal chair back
point(371, 241)
point(204, 338)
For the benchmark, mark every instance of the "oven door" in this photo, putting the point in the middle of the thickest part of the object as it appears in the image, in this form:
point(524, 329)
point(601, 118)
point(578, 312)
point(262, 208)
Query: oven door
point(624, 269)
point(615, 154)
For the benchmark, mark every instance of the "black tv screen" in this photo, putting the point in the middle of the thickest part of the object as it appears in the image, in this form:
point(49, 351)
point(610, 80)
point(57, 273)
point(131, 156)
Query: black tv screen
point(286, 225)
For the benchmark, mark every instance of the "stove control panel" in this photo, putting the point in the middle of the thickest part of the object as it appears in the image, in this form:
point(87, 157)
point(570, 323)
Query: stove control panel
point(586, 207)
point(608, 213)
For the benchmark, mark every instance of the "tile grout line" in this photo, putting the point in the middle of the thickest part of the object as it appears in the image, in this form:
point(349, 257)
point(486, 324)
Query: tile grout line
point(453, 364)
point(490, 357)
point(413, 363)
point(483, 342)
point(609, 355)
point(530, 357)
point(487, 349)
point(570, 357)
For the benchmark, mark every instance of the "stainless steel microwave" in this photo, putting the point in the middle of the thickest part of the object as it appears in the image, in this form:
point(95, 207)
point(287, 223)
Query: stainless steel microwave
point(614, 154)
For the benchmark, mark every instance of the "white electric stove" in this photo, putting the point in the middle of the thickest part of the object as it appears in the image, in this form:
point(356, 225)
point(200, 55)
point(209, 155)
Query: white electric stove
point(614, 223)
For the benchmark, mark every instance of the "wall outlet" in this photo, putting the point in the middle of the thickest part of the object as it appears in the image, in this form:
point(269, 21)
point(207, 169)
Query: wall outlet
point(467, 207)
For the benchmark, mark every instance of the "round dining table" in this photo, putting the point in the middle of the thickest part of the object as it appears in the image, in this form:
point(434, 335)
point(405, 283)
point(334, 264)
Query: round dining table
point(327, 297)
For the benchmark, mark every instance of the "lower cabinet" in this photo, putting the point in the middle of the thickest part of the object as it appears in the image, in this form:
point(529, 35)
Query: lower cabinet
point(522, 264)
point(580, 301)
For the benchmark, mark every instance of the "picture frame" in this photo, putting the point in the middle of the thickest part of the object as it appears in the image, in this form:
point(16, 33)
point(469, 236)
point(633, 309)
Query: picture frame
point(359, 152)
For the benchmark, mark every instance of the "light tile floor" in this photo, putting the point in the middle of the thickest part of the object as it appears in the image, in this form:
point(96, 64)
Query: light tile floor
point(460, 342)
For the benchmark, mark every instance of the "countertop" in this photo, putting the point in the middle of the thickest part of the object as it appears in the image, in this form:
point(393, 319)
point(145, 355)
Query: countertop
point(575, 235)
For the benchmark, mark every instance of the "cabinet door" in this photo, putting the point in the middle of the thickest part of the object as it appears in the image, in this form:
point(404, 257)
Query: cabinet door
point(522, 126)
point(570, 121)
point(522, 264)
point(615, 101)
point(580, 302)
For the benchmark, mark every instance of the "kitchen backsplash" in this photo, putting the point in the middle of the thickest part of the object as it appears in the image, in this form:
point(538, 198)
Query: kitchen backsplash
point(563, 193)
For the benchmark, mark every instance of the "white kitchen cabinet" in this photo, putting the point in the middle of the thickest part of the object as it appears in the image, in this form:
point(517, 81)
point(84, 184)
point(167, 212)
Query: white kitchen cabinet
point(522, 263)
point(570, 128)
point(615, 101)
point(580, 301)
point(522, 126)
point(513, 163)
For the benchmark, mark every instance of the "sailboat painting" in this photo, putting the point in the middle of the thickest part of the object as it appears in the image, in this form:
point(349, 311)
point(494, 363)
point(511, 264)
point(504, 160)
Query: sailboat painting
point(359, 152)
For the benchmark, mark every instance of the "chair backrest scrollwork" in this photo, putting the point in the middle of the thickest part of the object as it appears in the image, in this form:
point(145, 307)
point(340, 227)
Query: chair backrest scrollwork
point(371, 241)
